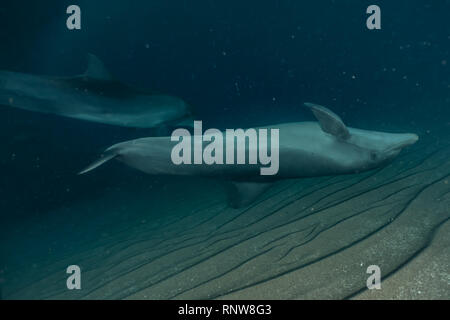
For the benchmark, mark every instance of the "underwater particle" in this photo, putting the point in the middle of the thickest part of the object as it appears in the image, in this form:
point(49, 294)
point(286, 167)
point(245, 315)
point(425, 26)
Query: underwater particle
point(274, 99)
point(444, 62)
point(224, 53)
point(353, 77)
point(147, 46)
point(292, 36)
point(11, 100)
point(446, 181)
point(405, 77)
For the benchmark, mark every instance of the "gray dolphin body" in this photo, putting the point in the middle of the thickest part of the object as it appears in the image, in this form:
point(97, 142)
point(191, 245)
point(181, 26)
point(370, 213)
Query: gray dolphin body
point(306, 149)
point(92, 96)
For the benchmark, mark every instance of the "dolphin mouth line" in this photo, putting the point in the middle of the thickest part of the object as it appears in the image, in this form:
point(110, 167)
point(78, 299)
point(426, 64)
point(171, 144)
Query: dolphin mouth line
point(403, 144)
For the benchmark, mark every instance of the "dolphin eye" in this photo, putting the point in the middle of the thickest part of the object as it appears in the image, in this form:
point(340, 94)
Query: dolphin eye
point(373, 156)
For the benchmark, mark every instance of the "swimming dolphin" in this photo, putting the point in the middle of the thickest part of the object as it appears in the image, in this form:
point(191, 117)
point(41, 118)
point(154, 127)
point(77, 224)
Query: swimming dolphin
point(306, 149)
point(92, 96)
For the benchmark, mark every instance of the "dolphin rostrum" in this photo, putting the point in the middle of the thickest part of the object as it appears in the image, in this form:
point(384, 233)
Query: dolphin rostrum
point(92, 96)
point(306, 149)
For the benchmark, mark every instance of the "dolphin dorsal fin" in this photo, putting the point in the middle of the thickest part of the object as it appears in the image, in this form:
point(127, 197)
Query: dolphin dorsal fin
point(96, 69)
point(329, 121)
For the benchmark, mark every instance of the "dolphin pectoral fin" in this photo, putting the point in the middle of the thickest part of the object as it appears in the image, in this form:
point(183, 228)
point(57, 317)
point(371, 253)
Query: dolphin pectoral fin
point(96, 69)
point(242, 194)
point(329, 121)
point(104, 158)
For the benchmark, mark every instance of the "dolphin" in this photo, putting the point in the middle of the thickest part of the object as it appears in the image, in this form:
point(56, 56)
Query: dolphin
point(306, 149)
point(93, 96)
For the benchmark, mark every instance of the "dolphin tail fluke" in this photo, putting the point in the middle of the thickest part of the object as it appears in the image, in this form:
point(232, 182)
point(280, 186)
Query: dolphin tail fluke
point(104, 158)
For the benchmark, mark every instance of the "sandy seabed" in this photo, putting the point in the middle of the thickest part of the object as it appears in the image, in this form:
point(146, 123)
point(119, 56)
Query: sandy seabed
point(303, 239)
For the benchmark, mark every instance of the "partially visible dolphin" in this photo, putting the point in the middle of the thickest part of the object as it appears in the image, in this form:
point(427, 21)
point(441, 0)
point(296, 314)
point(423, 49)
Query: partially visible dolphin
point(92, 96)
point(306, 149)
